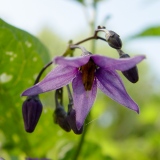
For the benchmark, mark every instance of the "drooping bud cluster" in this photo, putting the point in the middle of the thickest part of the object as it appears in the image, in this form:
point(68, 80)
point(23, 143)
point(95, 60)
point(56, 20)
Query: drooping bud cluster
point(66, 121)
point(60, 115)
point(115, 42)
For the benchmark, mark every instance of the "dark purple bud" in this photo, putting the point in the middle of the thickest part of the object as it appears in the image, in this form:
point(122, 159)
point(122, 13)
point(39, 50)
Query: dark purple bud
point(131, 74)
point(31, 111)
point(60, 117)
point(71, 118)
point(113, 40)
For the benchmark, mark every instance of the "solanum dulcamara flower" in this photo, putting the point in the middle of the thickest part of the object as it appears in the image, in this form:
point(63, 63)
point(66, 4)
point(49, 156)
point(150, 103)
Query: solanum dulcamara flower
point(87, 73)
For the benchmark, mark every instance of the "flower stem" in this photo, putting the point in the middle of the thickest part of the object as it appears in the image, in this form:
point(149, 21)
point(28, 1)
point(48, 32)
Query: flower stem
point(92, 25)
point(90, 38)
point(42, 70)
point(69, 50)
point(82, 139)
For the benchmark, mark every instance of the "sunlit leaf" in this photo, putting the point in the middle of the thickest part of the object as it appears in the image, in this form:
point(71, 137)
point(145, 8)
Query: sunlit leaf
point(21, 58)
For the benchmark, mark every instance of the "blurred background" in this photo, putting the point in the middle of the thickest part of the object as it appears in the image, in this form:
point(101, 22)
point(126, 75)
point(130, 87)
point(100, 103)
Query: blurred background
point(33, 32)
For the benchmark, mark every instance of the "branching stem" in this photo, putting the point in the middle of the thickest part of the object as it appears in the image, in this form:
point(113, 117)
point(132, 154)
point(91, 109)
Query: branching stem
point(40, 73)
point(70, 49)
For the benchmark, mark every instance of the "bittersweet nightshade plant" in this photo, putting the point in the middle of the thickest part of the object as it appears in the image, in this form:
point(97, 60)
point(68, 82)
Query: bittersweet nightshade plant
point(87, 73)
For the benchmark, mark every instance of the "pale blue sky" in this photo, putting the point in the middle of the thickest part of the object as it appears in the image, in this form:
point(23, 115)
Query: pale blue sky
point(66, 17)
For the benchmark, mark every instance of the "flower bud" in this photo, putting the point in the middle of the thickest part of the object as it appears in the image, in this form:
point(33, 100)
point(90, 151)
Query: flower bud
point(71, 118)
point(31, 111)
point(60, 117)
point(131, 74)
point(113, 40)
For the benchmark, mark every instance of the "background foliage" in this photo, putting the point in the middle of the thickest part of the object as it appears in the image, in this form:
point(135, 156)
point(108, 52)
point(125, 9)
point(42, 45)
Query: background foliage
point(114, 133)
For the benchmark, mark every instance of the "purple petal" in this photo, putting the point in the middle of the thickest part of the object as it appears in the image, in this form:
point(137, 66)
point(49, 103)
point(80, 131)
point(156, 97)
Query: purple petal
point(55, 79)
point(83, 100)
point(111, 84)
point(118, 64)
point(72, 61)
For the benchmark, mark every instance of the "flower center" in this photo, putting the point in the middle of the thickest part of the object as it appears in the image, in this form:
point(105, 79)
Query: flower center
point(88, 74)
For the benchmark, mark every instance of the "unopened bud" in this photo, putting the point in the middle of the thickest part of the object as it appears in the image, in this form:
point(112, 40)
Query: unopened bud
point(101, 27)
point(131, 74)
point(31, 111)
point(71, 118)
point(113, 40)
point(60, 117)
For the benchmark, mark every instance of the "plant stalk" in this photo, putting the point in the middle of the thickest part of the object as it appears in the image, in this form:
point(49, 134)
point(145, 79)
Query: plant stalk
point(93, 48)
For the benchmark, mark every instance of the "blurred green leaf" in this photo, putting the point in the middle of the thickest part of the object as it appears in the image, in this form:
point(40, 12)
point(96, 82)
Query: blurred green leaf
point(81, 1)
point(21, 58)
point(92, 150)
point(151, 31)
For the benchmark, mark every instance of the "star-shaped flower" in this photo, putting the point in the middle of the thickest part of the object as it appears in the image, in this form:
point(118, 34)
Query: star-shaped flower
point(87, 73)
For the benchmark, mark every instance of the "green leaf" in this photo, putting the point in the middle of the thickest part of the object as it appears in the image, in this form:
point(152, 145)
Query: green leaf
point(81, 1)
point(21, 58)
point(151, 31)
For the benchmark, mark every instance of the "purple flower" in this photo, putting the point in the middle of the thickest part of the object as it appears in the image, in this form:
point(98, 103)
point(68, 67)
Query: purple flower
point(87, 73)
